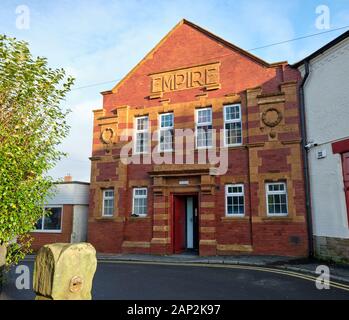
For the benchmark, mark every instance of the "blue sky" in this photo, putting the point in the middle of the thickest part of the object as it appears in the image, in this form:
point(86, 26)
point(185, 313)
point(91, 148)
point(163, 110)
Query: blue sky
point(101, 40)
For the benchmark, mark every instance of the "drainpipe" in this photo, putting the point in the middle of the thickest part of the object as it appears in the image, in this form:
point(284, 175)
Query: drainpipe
point(305, 161)
point(249, 172)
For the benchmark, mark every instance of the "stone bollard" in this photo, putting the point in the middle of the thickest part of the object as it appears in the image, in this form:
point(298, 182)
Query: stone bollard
point(3, 252)
point(64, 271)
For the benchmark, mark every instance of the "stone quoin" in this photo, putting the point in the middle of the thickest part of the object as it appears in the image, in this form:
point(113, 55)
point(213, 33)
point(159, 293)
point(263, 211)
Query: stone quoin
point(195, 80)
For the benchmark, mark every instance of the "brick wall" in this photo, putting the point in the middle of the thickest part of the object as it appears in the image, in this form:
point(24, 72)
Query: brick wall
point(268, 153)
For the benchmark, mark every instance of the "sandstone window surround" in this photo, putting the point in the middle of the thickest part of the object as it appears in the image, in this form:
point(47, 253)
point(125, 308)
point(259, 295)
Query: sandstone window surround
point(234, 200)
point(203, 132)
point(276, 199)
point(166, 121)
point(140, 202)
point(108, 203)
point(232, 125)
point(141, 135)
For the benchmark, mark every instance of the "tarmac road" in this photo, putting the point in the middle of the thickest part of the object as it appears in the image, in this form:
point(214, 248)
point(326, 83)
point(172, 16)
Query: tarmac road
point(152, 281)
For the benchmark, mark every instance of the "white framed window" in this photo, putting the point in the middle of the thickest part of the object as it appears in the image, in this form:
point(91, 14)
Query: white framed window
point(141, 135)
point(166, 121)
point(50, 222)
point(276, 194)
point(203, 132)
point(108, 203)
point(232, 125)
point(234, 200)
point(140, 202)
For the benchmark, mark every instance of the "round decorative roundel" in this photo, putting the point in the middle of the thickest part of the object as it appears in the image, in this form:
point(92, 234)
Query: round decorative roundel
point(107, 135)
point(271, 117)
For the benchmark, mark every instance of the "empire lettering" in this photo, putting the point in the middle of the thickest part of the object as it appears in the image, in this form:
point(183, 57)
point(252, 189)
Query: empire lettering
point(194, 77)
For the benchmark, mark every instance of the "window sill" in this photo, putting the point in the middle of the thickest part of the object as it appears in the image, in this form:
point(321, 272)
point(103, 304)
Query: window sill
point(204, 148)
point(228, 218)
point(232, 147)
point(134, 218)
point(141, 154)
point(236, 146)
point(277, 218)
point(111, 218)
point(47, 231)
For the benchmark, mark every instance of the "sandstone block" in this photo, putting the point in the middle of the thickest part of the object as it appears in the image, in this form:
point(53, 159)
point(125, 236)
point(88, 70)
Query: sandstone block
point(65, 271)
point(3, 251)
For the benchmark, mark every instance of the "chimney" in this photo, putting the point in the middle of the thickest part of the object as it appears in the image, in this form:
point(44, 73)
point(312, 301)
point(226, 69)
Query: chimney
point(68, 178)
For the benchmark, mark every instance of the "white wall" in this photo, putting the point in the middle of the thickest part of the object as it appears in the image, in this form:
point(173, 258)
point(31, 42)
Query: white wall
point(70, 193)
point(80, 218)
point(327, 120)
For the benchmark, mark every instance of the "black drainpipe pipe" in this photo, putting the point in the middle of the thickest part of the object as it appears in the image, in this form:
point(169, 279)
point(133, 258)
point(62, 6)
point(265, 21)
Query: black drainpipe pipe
point(305, 161)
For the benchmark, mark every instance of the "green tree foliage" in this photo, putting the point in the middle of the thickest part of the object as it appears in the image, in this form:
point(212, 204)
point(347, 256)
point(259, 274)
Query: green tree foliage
point(32, 124)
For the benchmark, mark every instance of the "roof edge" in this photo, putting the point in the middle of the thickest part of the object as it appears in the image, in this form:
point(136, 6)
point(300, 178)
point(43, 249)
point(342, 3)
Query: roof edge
point(321, 50)
point(144, 58)
point(72, 182)
point(227, 43)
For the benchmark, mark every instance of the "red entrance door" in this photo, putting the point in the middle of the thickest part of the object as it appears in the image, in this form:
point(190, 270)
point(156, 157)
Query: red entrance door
point(179, 224)
point(345, 158)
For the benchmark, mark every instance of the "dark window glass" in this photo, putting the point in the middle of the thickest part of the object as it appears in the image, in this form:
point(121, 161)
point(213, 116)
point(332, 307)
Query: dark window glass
point(52, 221)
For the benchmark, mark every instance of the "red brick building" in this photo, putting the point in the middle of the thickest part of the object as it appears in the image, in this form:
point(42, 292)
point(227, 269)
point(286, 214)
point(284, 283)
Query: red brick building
point(197, 81)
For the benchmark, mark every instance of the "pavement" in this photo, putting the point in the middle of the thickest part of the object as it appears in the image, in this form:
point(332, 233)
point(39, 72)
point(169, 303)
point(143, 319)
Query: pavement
point(338, 272)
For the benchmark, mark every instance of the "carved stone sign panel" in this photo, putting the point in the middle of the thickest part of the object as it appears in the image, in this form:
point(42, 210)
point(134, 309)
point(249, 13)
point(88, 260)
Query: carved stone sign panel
point(271, 117)
point(194, 77)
